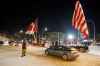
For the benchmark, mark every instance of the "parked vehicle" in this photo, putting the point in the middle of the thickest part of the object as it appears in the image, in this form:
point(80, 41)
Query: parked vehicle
point(82, 48)
point(67, 53)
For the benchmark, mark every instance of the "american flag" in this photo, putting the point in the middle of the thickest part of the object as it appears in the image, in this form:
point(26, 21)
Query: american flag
point(33, 27)
point(79, 21)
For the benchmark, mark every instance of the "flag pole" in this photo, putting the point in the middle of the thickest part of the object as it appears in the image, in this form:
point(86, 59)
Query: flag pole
point(94, 31)
point(78, 37)
point(58, 39)
point(36, 37)
point(36, 24)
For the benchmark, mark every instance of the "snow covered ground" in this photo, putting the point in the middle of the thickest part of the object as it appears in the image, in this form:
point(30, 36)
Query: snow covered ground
point(95, 50)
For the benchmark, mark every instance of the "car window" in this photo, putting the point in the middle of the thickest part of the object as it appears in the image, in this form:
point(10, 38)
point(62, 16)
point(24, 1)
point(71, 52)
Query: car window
point(60, 48)
point(66, 49)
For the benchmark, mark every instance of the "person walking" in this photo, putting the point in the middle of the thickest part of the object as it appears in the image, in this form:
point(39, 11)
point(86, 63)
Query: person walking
point(23, 48)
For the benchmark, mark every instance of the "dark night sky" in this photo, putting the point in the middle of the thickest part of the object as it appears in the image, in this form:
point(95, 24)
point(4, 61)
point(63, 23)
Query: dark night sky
point(55, 14)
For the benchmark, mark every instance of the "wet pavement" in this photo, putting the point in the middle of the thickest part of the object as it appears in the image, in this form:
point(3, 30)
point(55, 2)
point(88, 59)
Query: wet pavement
point(10, 56)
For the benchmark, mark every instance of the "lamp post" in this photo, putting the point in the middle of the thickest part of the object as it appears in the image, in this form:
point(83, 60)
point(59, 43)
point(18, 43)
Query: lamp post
point(45, 29)
point(21, 34)
point(70, 38)
point(94, 29)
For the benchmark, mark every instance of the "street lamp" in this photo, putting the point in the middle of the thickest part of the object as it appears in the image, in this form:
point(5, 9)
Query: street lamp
point(92, 22)
point(21, 31)
point(45, 29)
point(94, 30)
point(70, 37)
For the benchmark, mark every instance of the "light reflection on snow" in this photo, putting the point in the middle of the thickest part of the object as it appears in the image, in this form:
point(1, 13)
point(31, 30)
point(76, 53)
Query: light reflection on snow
point(95, 50)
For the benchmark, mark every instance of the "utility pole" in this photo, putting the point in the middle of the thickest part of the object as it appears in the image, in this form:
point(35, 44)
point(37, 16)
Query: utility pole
point(94, 30)
point(59, 38)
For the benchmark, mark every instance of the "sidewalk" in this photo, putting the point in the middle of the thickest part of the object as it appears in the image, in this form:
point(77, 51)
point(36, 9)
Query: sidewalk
point(95, 50)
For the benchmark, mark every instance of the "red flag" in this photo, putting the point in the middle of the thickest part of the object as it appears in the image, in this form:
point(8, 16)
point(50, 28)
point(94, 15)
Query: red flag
point(32, 28)
point(79, 21)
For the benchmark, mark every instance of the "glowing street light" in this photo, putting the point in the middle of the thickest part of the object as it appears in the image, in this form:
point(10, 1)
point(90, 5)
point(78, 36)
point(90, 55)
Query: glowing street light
point(45, 29)
point(70, 36)
point(21, 31)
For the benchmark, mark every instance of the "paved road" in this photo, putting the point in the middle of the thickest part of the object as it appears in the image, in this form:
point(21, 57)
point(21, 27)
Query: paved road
point(10, 56)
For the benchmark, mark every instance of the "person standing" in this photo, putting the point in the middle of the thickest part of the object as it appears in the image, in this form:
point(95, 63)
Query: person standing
point(23, 48)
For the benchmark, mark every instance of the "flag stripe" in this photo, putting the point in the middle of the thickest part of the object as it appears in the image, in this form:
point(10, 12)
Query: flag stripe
point(74, 16)
point(83, 27)
point(76, 10)
point(78, 18)
point(79, 21)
